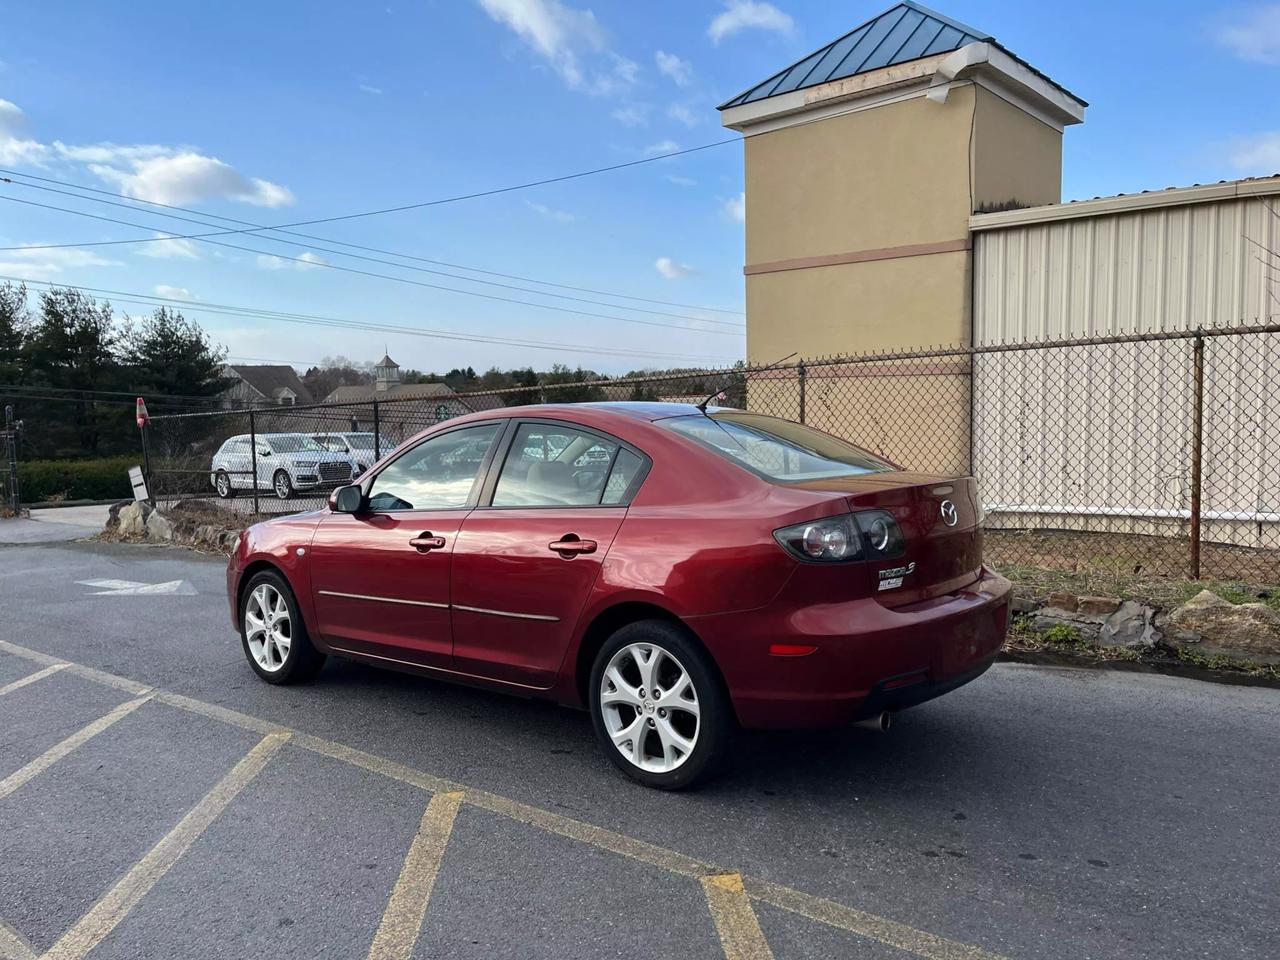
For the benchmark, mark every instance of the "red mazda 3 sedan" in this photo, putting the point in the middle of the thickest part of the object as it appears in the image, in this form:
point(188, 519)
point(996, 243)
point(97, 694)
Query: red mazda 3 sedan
point(678, 573)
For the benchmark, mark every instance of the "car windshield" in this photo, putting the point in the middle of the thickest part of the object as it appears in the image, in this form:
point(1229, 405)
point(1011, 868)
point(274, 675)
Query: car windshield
point(293, 443)
point(361, 441)
point(777, 449)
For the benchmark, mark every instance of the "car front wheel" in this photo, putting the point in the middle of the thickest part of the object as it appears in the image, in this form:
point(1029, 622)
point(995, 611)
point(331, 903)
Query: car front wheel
point(222, 484)
point(272, 633)
point(283, 484)
point(658, 706)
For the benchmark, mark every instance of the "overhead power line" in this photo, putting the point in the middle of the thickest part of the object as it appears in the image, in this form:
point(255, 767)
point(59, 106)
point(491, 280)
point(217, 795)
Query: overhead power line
point(385, 276)
point(495, 191)
point(196, 306)
point(258, 228)
point(204, 237)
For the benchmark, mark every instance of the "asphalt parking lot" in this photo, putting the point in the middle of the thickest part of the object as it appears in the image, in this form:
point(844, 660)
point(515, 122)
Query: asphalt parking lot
point(157, 800)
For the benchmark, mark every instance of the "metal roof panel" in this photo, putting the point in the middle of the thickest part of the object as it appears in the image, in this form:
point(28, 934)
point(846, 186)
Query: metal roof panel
point(906, 31)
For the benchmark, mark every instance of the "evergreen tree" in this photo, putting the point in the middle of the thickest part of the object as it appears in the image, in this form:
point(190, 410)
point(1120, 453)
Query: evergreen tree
point(167, 354)
point(72, 347)
point(14, 326)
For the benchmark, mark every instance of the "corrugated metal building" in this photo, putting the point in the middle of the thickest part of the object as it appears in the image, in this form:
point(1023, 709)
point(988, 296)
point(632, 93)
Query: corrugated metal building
point(1103, 444)
point(1174, 259)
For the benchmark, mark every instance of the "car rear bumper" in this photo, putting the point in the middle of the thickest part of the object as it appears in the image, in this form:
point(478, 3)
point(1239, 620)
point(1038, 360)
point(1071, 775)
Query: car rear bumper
point(868, 657)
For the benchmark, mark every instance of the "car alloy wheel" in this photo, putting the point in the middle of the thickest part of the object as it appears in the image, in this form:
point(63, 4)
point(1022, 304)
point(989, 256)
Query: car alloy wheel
point(649, 705)
point(283, 485)
point(222, 484)
point(268, 628)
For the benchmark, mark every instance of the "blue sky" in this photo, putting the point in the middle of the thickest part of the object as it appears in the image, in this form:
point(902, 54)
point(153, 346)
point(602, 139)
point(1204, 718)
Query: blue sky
point(287, 111)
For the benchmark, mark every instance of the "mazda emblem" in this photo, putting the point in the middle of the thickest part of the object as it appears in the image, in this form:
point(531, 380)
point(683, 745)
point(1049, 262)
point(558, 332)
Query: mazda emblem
point(949, 514)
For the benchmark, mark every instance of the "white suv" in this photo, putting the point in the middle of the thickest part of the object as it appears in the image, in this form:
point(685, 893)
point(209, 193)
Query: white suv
point(286, 462)
point(357, 446)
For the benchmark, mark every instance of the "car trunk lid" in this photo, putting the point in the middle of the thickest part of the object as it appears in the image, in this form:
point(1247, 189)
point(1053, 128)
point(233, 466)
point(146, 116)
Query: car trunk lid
point(939, 519)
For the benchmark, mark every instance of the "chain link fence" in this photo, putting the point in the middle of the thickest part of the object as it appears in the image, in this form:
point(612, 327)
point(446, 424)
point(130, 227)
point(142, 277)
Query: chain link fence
point(1145, 455)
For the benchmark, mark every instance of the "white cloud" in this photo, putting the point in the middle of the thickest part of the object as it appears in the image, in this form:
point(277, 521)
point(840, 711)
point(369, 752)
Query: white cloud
point(1256, 38)
point(1258, 154)
point(172, 293)
point(371, 89)
point(681, 181)
point(15, 146)
point(150, 171)
point(678, 70)
point(683, 113)
point(303, 261)
point(672, 269)
point(36, 264)
point(13, 122)
point(570, 40)
point(170, 248)
point(632, 115)
point(111, 152)
point(560, 216)
point(735, 208)
point(749, 14)
point(186, 177)
point(661, 147)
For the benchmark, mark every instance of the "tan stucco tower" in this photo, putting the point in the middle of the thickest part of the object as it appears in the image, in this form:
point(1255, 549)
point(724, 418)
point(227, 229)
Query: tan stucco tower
point(864, 162)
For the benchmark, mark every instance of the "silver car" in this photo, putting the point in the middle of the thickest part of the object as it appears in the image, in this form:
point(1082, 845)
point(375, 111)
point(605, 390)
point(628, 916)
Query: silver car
point(285, 462)
point(356, 445)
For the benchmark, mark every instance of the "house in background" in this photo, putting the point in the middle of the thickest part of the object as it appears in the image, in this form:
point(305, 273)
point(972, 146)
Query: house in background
point(409, 407)
point(258, 385)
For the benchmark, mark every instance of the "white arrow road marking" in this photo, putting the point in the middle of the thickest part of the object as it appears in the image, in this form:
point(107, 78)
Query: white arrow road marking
point(132, 588)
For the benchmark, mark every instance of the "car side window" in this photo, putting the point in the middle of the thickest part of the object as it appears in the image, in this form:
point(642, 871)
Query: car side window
point(626, 467)
point(554, 466)
point(436, 474)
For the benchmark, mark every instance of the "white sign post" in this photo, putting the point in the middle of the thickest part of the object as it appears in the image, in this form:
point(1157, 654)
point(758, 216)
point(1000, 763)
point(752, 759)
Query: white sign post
point(139, 484)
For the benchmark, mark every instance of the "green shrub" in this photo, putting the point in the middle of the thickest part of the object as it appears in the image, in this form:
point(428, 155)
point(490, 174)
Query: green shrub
point(106, 478)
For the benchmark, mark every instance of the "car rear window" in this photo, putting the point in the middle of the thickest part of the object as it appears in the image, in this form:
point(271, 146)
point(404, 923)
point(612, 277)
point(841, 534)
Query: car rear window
point(777, 449)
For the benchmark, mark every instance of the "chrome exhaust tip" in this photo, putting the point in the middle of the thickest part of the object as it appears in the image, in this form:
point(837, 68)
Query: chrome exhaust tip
point(879, 722)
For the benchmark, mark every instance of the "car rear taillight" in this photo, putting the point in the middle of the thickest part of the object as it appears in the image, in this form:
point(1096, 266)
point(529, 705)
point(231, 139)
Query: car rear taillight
point(832, 539)
point(869, 535)
point(881, 534)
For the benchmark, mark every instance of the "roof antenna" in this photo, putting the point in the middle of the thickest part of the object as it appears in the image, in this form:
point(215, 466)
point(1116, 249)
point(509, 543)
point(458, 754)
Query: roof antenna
point(702, 407)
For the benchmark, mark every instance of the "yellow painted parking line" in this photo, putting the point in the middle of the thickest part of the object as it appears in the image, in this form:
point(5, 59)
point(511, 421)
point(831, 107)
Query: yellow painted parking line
point(735, 921)
point(88, 673)
point(513, 809)
point(402, 920)
point(32, 678)
point(223, 714)
point(589, 833)
point(881, 929)
point(13, 947)
point(106, 914)
point(864, 924)
point(60, 750)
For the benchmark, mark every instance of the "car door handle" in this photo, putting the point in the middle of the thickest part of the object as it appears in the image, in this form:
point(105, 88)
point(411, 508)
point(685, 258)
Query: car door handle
point(570, 545)
point(426, 542)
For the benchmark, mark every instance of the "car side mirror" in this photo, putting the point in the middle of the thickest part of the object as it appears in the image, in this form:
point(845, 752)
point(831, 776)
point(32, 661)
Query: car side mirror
point(348, 499)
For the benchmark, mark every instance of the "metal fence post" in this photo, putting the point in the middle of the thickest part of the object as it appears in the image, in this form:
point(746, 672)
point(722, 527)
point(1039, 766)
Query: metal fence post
point(1197, 450)
point(801, 372)
point(377, 431)
point(11, 452)
point(253, 456)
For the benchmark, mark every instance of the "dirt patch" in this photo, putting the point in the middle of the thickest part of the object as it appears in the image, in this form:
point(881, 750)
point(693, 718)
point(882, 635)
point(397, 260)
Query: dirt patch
point(1128, 556)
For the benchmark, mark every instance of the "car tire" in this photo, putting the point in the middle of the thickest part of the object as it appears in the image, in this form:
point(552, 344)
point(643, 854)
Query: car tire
point(272, 633)
point(697, 714)
point(282, 484)
point(222, 485)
